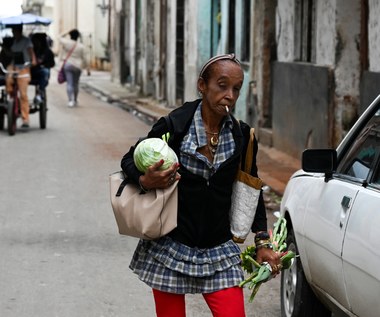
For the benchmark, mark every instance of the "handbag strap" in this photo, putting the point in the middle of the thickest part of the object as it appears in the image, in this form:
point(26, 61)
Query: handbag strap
point(249, 150)
point(121, 187)
point(69, 53)
point(249, 153)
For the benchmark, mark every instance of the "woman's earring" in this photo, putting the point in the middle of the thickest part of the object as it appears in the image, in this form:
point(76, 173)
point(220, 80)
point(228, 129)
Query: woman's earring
point(200, 93)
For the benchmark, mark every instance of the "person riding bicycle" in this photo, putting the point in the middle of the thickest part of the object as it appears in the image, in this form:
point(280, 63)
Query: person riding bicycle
point(45, 60)
point(23, 59)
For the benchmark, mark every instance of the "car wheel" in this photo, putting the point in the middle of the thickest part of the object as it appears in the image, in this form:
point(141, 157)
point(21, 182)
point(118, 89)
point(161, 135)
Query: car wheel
point(297, 298)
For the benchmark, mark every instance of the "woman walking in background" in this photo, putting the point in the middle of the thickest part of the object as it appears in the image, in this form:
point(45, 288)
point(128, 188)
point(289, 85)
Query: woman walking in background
point(74, 55)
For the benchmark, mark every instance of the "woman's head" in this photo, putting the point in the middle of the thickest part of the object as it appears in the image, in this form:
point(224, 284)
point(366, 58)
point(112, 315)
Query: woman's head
point(74, 34)
point(220, 81)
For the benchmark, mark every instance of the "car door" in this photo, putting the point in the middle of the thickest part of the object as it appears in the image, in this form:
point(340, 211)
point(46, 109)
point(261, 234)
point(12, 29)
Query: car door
point(361, 255)
point(325, 222)
point(361, 249)
point(329, 215)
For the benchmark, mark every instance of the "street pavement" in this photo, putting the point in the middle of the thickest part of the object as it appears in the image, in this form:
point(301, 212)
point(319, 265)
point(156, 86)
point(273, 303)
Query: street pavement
point(275, 167)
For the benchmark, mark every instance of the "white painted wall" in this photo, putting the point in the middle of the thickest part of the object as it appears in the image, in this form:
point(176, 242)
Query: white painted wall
point(285, 30)
point(86, 17)
point(132, 40)
point(325, 32)
point(347, 69)
point(191, 50)
point(374, 35)
point(170, 53)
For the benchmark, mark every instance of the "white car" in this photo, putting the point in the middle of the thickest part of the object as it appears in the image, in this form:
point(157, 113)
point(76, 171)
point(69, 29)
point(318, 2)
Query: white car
point(332, 207)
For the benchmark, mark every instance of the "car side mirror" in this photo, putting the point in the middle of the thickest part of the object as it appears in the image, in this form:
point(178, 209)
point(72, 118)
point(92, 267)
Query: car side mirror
point(319, 161)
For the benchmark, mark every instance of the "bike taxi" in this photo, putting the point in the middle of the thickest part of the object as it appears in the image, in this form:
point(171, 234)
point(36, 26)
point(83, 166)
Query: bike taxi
point(10, 106)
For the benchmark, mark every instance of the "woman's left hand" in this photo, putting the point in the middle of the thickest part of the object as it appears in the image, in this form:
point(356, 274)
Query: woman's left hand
point(154, 177)
point(271, 257)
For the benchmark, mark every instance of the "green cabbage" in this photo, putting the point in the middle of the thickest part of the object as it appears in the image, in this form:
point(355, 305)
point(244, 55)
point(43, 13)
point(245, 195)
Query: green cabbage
point(152, 150)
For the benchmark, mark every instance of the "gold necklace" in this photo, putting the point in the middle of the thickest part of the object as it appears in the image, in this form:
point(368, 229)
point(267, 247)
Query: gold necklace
point(214, 140)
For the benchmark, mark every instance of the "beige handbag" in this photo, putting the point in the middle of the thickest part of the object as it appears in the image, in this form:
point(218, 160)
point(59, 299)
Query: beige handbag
point(245, 197)
point(149, 215)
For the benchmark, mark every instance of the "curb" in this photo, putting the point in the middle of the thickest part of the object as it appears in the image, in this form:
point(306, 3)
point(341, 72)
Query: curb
point(142, 108)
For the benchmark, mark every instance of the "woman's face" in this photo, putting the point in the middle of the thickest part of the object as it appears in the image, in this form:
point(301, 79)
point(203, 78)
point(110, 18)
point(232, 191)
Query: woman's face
point(222, 87)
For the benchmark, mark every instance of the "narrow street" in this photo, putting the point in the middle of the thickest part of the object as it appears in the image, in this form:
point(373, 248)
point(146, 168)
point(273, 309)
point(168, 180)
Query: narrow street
point(60, 251)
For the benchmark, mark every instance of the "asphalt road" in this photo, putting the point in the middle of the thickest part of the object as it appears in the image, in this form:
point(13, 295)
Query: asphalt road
point(60, 253)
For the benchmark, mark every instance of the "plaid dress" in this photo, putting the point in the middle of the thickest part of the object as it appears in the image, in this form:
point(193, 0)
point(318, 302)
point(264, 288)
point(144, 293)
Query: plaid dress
point(170, 266)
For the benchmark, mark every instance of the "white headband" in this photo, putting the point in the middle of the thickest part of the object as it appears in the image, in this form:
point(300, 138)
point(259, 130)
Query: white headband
point(216, 58)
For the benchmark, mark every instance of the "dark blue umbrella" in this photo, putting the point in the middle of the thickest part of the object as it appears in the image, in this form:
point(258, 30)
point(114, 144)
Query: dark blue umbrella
point(25, 18)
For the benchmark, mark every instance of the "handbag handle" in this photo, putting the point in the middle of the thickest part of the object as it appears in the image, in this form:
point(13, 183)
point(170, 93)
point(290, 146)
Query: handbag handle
point(249, 153)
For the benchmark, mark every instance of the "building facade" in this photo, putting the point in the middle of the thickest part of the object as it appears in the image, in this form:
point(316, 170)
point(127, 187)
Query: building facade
point(311, 67)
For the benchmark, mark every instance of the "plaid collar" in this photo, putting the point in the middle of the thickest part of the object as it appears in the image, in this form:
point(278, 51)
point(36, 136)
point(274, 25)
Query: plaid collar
point(200, 128)
point(196, 138)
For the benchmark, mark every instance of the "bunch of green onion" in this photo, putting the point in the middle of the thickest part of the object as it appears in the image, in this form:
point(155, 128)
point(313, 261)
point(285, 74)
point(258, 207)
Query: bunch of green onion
point(261, 273)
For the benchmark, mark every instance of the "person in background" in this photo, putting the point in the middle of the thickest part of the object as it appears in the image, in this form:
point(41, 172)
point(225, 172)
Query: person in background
point(23, 58)
point(6, 55)
point(76, 61)
point(199, 255)
point(45, 60)
point(5, 60)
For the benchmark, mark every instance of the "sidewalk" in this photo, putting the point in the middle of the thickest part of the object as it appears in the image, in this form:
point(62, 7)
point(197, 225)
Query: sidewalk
point(275, 167)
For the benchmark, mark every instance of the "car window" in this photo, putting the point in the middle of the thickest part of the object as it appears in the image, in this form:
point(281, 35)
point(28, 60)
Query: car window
point(361, 159)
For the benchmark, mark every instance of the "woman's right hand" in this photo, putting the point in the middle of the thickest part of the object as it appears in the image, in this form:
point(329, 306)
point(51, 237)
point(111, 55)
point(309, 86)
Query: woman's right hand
point(156, 178)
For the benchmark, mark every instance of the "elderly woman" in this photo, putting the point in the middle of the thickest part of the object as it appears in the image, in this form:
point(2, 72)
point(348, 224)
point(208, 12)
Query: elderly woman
point(199, 255)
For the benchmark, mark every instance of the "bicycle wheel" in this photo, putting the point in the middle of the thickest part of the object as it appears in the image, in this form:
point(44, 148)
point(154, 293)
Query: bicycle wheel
point(43, 111)
point(2, 114)
point(12, 115)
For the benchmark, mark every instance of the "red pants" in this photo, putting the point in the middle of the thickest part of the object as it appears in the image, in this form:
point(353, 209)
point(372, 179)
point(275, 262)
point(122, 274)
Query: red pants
point(228, 302)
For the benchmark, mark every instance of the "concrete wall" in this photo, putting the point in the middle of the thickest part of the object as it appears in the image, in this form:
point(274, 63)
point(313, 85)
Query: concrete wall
point(347, 66)
point(147, 48)
point(285, 30)
point(369, 88)
point(325, 32)
point(303, 106)
point(263, 52)
point(132, 41)
point(337, 46)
